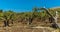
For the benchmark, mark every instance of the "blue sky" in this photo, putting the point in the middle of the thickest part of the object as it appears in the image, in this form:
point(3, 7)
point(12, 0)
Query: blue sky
point(27, 5)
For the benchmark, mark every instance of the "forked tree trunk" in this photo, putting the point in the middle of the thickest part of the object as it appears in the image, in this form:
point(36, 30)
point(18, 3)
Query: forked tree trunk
point(6, 23)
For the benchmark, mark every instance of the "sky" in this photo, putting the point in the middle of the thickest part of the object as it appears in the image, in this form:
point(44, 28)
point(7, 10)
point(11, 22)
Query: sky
point(27, 5)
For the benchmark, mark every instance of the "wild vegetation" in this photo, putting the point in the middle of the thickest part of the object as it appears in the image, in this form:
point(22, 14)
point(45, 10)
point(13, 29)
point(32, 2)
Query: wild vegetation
point(9, 16)
point(38, 17)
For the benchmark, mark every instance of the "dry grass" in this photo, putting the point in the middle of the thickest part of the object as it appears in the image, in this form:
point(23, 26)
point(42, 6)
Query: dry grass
point(22, 27)
point(25, 28)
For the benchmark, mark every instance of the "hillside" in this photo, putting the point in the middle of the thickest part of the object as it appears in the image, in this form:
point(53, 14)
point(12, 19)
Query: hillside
point(10, 19)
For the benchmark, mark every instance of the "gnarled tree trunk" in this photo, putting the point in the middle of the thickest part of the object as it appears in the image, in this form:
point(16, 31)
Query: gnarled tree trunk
point(52, 19)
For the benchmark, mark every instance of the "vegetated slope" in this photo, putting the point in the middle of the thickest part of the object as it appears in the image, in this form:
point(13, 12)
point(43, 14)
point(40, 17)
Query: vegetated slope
point(17, 22)
point(39, 18)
